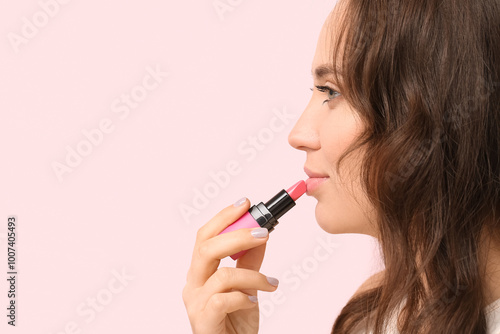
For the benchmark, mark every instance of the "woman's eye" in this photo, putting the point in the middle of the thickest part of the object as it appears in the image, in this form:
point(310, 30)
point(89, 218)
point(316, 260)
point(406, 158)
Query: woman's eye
point(331, 93)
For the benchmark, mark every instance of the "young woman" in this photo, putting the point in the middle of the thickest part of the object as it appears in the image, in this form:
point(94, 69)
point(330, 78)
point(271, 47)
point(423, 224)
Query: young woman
point(402, 136)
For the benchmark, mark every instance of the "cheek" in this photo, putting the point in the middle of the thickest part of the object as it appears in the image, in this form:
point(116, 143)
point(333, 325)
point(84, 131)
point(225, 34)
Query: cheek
point(336, 135)
point(337, 211)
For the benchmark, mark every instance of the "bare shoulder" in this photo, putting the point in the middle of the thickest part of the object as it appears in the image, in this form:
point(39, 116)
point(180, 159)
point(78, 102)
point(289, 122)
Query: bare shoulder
point(372, 282)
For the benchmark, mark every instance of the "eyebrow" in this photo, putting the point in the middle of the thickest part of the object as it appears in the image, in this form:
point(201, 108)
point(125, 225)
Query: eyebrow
point(324, 70)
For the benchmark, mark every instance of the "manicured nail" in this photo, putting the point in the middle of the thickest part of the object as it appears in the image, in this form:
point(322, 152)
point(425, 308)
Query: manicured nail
point(261, 232)
point(240, 202)
point(253, 299)
point(273, 281)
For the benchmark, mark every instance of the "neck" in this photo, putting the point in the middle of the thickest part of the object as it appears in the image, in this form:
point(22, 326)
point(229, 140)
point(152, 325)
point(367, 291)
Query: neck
point(490, 262)
point(490, 265)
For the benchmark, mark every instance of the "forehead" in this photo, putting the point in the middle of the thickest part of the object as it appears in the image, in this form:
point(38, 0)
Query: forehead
point(322, 57)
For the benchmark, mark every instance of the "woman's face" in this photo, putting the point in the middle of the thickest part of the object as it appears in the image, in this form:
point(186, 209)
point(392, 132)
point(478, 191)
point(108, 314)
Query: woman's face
point(324, 131)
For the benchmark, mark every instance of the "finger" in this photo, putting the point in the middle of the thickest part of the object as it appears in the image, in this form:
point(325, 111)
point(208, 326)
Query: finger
point(221, 304)
point(207, 255)
point(252, 259)
point(222, 219)
point(226, 279)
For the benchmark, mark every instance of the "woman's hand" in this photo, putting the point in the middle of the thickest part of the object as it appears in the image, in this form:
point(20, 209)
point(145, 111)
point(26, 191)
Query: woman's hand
point(224, 300)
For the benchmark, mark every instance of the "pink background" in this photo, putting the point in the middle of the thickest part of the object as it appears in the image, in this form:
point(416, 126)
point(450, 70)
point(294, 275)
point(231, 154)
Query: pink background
point(118, 210)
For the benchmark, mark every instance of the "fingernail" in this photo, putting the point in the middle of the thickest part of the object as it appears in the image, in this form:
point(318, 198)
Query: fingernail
point(240, 202)
point(273, 281)
point(261, 232)
point(253, 299)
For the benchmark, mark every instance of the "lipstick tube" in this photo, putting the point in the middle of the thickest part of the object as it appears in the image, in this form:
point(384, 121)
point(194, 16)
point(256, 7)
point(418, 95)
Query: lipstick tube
point(267, 214)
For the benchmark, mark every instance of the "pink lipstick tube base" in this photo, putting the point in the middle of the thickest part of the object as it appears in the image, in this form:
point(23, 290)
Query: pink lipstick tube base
point(267, 214)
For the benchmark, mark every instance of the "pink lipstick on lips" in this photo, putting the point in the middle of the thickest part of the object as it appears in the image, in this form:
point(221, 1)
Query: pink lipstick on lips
point(267, 215)
point(314, 180)
point(313, 183)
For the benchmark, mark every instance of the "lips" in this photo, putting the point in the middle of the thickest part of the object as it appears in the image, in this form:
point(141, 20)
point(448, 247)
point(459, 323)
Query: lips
point(314, 181)
point(312, 174)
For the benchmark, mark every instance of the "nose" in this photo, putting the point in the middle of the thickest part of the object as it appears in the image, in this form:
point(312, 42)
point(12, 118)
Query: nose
point(304, 135)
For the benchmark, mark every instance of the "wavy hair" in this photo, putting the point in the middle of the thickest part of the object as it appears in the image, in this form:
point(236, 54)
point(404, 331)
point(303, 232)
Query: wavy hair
point(424, 76)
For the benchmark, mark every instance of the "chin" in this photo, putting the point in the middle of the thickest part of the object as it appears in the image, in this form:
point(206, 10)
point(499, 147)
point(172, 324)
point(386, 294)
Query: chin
point(329, 222)
point(337, 221)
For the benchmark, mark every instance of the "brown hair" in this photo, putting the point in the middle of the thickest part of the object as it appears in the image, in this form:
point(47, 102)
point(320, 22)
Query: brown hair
point(424, 77)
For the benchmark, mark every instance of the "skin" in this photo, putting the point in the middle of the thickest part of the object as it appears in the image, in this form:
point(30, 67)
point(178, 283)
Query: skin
point(216, 299)
point(324, 131)
point(490, 259)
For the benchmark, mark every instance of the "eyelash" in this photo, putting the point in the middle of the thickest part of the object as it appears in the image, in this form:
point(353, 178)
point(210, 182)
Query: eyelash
point(324, 89)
